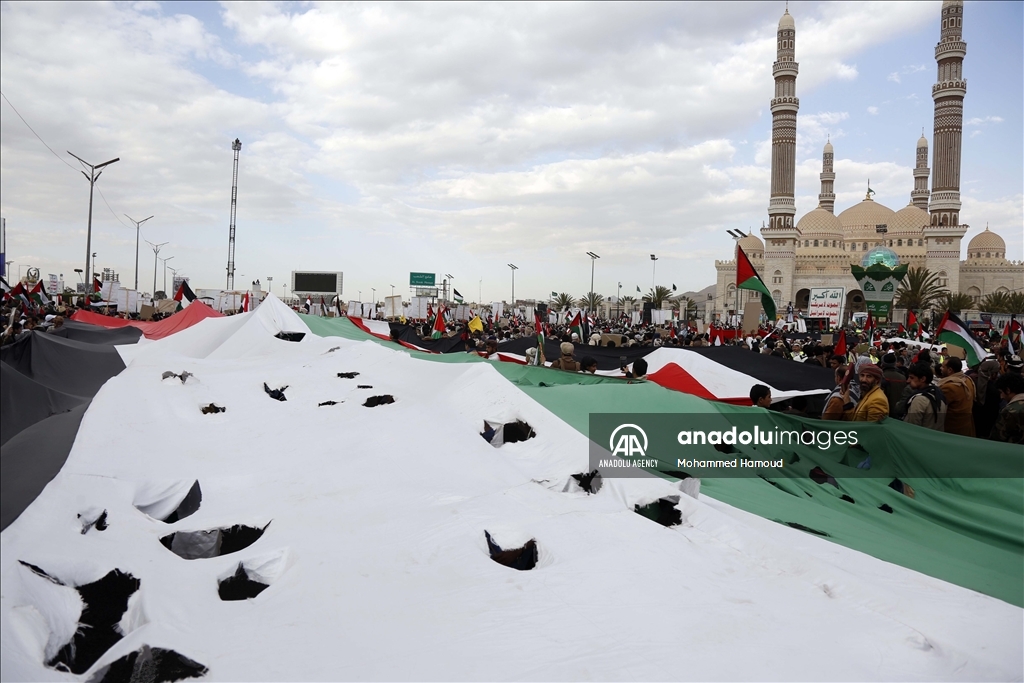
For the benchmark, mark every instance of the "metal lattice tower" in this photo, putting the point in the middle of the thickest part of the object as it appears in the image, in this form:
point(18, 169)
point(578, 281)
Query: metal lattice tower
point(237, 147)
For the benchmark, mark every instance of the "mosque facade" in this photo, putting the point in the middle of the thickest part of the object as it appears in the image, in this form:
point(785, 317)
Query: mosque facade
point(818, 249)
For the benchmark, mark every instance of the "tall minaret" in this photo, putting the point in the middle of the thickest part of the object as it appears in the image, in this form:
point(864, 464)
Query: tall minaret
point(782, 207)
point(919, 197)
point(827, 197)
point(948, 94)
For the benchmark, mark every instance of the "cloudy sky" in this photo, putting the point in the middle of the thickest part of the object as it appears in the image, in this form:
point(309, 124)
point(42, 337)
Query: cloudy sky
point(456, 138)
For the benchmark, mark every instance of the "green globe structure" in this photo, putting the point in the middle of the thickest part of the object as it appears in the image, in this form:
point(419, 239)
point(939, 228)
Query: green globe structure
point(878, 275)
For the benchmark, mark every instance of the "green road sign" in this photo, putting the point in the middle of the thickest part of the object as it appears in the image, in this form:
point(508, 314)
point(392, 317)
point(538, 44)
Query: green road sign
point(422, 279)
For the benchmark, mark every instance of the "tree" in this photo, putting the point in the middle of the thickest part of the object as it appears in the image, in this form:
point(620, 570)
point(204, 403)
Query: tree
point(687, 306)
point(627, 303)
point(957, 302)
point(1003, 302)
point(563, 302)
point(658, 295)
point(919, 290)
point(591, 301)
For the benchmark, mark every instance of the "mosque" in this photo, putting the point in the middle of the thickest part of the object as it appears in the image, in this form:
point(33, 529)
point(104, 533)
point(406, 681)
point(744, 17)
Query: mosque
point(817, 250)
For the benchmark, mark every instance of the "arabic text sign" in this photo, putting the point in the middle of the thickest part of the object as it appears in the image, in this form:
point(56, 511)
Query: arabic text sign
point(827, 302)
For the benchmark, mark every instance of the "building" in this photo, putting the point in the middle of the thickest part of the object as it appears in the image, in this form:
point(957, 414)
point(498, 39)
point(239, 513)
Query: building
point(818, 249)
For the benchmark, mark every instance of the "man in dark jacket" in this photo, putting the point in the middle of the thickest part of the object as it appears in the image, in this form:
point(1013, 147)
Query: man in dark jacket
point(893, 382)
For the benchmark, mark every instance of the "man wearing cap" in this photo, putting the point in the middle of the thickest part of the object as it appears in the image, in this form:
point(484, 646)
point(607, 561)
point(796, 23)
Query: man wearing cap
point(566, 362)
point(873, 404)
point(959, 392)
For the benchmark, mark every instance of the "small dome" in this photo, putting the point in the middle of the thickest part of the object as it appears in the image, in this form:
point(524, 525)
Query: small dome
point(884, 255)
point(922, 142)
point(787, 21)
point(909, 219)
point(820, 222)
point(866, 214)
point(987, 240)
point(828, 147)
point(751, 244)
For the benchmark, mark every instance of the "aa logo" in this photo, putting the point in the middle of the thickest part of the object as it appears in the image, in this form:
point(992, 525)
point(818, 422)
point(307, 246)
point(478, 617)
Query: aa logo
point(628, 441)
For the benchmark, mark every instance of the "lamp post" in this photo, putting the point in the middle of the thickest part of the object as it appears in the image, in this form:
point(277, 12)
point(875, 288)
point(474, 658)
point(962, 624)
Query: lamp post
point(165, 260)
point(737, 235)
point(77, 270)
point(654, 273)
point(449, 281)
point(92, 176)
point(138, 225)
point(270, 283)
point(156, 255)
point(618, 300)
point(514, 269)
point(93, 264)
point(593, 260)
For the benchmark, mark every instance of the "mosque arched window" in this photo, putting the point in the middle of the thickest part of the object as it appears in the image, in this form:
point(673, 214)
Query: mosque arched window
point(988, 254)
point(864, 247)
point(943, 279)
point(899, 243)
point(815, 242)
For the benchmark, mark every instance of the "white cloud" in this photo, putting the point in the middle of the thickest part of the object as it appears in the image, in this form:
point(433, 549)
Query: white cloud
point(983, 120)
point(873, 110)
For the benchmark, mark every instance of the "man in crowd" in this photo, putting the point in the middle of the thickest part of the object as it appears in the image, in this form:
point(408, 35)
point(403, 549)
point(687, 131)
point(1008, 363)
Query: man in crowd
point(835, 408)
point(959, 392)
point(566, 361)
point(873, 405)
point(589, 365)
point(1009, 426)
point(761, 396)
point(894, 382)
point(926, 406)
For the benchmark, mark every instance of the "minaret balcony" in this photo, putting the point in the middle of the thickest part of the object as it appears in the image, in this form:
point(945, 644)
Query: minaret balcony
point(949, 89)
point(785, 104)
point(952, 48)
point(780, 66)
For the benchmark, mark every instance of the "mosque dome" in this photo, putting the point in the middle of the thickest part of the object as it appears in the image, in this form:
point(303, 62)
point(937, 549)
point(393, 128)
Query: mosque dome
point(883, 255)
point(986, 244)
point(787, 21)
point(751, 244)
point(861, 219)
point(909, 219)
point(820, 222)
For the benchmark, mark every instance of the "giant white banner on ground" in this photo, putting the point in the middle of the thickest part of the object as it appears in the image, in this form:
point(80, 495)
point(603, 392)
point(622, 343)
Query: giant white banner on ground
point(827, 302)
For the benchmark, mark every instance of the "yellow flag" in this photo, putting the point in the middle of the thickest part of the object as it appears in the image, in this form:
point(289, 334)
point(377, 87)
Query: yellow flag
point(476, 324)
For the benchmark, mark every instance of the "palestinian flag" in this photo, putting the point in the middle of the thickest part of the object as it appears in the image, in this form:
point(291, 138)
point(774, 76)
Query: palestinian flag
point(439, 328)
point(245, 303)
point(6, 288)
point(839, 349)
point(901, 331)
point(97, 285)
point(1011, 333)
point(184, 293)
point(576, 325)
point(952, 332)
point(458, 297)
point(39, 295)
point(539, 328)
point(747, 278)
point(912, 323)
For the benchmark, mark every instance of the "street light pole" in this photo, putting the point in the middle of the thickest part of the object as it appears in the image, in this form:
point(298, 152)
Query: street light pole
point(450, 281)
point(593, 260)
point(92, 176)
point(165, 260)
point(514, 269)
point(654, 273)
point(156, 255)
point(138, 224)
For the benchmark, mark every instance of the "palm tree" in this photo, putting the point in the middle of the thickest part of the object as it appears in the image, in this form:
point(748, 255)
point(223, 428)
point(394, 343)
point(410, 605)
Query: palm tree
point(591, 301)
point(563, 301)
point(919, 290)
point(956, 302)
point(686, 305)
point(658, 295)
point(1003, 302)
point(627, 303)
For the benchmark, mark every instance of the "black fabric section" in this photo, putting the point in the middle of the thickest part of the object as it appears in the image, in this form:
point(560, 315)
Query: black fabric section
point(523, 559)
point(189, 505)
point(240, 586)
point(663, 511)
point(607, 358)
point(32, 458)
point(409, 335)
point(24, 402)
point(105, 602)
point(94, 334)
point(70, 366)
point(150, 665)
point(780, 373)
